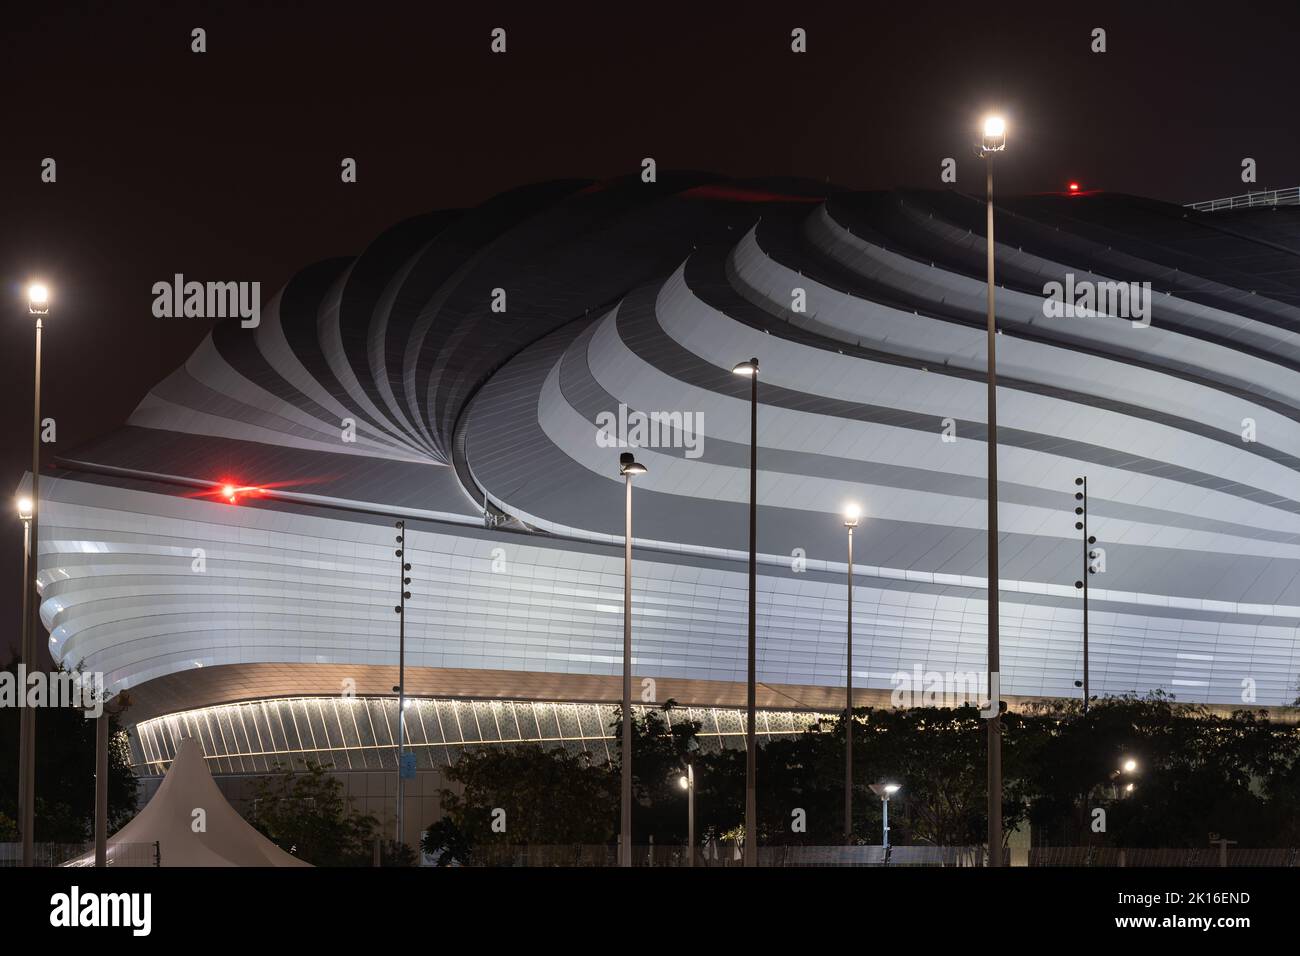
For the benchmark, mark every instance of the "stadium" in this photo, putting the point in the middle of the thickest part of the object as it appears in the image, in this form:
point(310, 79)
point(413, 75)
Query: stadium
point(227, 556)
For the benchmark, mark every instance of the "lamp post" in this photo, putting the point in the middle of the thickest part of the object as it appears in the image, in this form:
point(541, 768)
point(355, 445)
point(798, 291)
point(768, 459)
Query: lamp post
point(687, 782)
point(750, 369)
point(101, 783)
point(404, 595)
point(628, 467)
point(995, 141)
point(1081, 510)
point(884, 791)
point(38, 304)
point(25, 516)
point(852, 514)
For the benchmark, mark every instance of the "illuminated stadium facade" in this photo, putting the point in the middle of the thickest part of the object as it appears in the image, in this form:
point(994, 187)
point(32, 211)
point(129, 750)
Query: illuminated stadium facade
point(461, 374)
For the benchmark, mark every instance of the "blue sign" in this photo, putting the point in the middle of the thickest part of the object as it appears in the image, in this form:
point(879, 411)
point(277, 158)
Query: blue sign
point(407, 771)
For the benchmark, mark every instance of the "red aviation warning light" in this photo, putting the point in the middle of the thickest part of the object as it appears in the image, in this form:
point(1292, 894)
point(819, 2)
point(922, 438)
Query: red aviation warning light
point(1073, 187)
point(232, 493)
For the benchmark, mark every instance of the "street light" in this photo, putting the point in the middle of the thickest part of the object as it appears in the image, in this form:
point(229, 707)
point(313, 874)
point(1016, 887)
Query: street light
point(995, 134)
point(1127, 766)
point(628, 467)
point(884, 791)
point(24, 507)
point(995, 141)
point(38, 299)
point(852, 513)
point(38, 304)
point(750, 370)
point(687, 783)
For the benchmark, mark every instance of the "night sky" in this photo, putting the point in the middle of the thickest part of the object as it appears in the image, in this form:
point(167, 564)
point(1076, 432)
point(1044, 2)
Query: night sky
point(225, 165)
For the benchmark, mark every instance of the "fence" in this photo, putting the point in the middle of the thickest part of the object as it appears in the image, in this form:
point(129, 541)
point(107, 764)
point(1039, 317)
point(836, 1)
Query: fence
point(1265, 197)
point(662, 855)
point(72, 854)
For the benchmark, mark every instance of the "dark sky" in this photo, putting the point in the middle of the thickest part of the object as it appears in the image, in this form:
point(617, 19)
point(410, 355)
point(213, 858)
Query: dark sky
point(226, 164)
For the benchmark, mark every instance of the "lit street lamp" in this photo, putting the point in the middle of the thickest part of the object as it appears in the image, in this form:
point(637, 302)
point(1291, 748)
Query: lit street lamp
point(852, 513)
point(750, 369)
point(628, 467)
point(687, 783)
point(1127, 767)
point(38, 304)
point(995, 141)
point(884, 791)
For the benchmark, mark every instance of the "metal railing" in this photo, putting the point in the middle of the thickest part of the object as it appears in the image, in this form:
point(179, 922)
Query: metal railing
point(70, 854)
point(725, 855)
point(1266, 197)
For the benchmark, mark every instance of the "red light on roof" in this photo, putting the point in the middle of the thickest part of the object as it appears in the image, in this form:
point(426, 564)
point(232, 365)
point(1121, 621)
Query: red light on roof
point(1074, 187)
point(234, 493)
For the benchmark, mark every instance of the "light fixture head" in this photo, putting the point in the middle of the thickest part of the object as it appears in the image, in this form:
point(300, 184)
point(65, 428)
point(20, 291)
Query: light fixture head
point(747, 368)
point(1130, 765)
point(683, 782)
point(995, 134)
point(38, 298)
point(25, 509)
point(852, 514)
point(885, 790)
point(628, 465)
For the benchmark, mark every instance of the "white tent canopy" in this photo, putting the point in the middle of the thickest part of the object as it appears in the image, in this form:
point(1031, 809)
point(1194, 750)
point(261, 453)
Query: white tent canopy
point(169, 819)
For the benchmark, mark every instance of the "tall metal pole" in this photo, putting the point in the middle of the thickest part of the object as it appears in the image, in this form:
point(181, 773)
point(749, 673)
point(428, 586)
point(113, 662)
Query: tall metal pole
point(27, 772)
point(101, 787)
point(625, 817)
point(848, 710)
point(994, 662)
point(690, 812)
point(751, 740)
point(1085, 593)
point(884, 813)
point(26, 657)
point(401, 676)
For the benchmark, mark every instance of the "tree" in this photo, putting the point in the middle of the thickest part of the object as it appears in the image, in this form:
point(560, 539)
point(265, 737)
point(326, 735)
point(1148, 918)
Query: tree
point(308, 815)
point(525, 795)
point(65, 771)
point(661, 748)
point(1197, 772)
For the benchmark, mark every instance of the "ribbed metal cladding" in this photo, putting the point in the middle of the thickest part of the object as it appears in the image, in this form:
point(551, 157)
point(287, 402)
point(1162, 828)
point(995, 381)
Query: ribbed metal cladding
point(626, 296)
point(357, 733)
